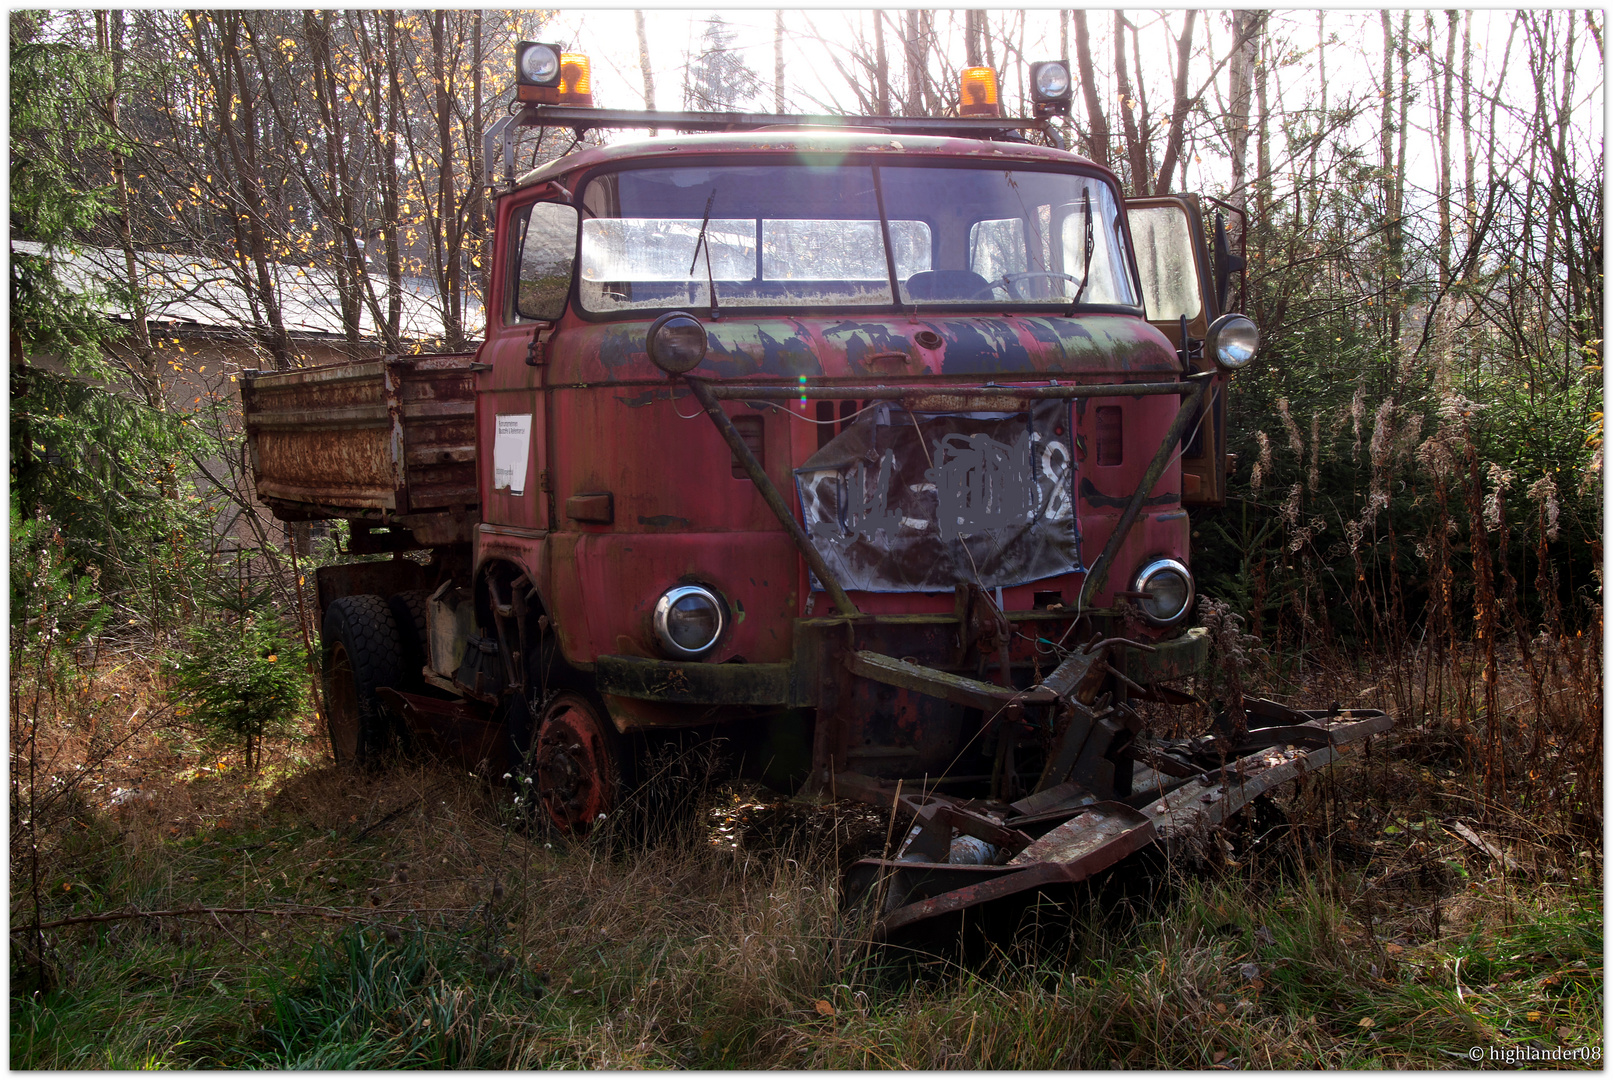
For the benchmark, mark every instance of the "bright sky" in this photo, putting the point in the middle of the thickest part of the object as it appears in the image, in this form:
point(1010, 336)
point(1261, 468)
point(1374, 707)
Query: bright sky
point(1352, 57)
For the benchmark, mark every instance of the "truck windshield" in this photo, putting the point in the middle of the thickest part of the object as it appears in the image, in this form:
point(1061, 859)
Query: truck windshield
point(796, 236)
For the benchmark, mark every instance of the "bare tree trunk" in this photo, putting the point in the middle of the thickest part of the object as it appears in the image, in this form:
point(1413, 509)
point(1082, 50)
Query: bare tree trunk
point(338, 208)
point(1246, 43)
point(1559, 182)
point(644, 61)
point(921, 96)
point(1136, 154)
point(972, 21)
point(913, 64)
point(932, 95)
point(1263, 139)
point(379, 110)
point(446, 229)
point(1145, 121)
point(227, 73)
point(1443, 113)
point(1469, 192)
point(1397, 227)
point(1386, 123)
point(1321, 126)
point(476, 202)
point(1495, 99)
point(1097, 124)
point(109, 36)
point(882, 74)
point(778, 58)
point(1179, 107)
point(392, 183)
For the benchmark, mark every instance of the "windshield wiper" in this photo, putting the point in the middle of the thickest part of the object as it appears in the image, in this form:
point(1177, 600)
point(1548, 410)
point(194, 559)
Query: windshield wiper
point(701, 241)
point(1086, 258)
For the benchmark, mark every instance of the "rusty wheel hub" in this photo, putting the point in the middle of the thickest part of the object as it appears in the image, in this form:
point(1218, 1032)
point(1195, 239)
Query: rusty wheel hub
point(577, 773)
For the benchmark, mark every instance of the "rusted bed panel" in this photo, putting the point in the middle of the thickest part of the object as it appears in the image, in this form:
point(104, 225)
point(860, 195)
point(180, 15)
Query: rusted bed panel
point(373, 440)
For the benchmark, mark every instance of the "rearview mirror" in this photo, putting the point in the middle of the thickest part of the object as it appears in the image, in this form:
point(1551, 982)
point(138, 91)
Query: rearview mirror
point(1226, 263)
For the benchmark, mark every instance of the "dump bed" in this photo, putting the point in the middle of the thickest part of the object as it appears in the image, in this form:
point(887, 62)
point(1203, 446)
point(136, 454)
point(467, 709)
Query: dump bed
point(391, 440)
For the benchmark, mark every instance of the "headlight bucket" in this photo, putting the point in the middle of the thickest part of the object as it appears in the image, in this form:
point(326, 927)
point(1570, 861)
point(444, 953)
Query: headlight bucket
point(1231, 341)
point(1051, 87)
point(688, 621)
point(1170, 585)
point(676, 342)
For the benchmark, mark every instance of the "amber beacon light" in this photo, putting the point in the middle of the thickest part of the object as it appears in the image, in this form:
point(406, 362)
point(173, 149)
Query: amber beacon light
point(977, 92)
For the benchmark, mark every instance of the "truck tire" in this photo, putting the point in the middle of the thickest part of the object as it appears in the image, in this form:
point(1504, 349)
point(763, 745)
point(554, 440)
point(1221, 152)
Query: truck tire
point(576, 762)
point(409, 611)
point(360, 651)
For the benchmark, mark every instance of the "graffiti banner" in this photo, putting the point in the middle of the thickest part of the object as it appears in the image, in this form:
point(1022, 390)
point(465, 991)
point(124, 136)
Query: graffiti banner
point(921, 502)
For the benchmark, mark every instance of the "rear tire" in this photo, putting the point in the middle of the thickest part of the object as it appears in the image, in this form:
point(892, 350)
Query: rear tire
point(360, 652)
point(409, 612)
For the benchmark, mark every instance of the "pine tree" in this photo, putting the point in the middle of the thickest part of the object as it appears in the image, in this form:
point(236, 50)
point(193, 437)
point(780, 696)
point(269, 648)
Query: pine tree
point(717, 79)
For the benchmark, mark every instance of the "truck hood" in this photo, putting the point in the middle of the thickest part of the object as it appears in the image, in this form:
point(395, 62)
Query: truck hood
point(887, 349)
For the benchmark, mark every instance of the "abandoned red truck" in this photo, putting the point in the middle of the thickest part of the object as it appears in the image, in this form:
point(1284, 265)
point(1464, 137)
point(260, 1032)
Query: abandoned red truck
point(867, 446)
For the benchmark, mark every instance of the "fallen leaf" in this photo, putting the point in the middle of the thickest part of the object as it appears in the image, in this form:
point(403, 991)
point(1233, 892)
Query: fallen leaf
point(1367, 1023)
point(1221, 1007)
point(1564, 1034)
point(1534, 1016)
point(1394, 950)
point(1551, 980)
point(1249, 971)
point(825, 1009)
point(1218, 1057)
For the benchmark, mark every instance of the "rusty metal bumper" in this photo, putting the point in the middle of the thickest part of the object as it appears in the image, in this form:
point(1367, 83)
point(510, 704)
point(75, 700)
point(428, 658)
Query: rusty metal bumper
point(1063, 836)
point(862, 639)
point(1175, 659)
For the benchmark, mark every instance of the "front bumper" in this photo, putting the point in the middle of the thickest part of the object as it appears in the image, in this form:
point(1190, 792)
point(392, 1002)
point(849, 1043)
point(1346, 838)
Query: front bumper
point(933, 640)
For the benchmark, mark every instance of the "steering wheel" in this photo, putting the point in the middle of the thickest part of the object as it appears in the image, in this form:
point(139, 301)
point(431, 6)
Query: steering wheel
point(1011, 281)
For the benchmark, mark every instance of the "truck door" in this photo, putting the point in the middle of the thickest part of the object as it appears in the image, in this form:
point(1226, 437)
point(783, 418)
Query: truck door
point(530, 283)
point(1174, 264)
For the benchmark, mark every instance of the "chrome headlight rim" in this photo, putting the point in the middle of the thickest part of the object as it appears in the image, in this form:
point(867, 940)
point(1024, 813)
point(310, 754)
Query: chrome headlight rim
point(663, 613)
point(658, 342)
point(1231, 322)
point(1152, 569)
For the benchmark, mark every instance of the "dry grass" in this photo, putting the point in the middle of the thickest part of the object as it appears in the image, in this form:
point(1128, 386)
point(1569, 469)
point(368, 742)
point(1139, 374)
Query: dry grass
point(413, 918)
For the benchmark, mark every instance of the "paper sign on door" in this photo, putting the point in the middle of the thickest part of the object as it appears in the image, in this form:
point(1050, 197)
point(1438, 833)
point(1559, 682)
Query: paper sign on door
point(512, 441)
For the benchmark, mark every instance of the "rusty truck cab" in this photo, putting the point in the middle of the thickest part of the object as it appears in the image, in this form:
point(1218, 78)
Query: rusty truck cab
point(842, 443)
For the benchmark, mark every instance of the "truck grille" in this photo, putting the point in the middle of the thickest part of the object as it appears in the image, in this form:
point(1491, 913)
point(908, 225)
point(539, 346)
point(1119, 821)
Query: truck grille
point(833, 416)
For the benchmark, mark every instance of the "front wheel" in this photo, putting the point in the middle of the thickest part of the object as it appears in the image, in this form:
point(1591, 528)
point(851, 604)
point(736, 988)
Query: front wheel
point(578, 762)
point(360, 652)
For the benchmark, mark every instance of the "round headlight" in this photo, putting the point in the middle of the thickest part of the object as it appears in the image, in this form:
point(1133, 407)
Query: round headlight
point(1231, 341)
point(1169, 586)
point(1052, 81)
point(688, 620)
point(540, 64)
point(676, 342)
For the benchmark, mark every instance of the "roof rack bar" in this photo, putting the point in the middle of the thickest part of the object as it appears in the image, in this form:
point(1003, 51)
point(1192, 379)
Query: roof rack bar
point(585, 119)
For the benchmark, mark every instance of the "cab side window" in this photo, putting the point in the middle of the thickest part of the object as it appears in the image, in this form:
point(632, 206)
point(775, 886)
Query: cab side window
point(1165, 262)
point(544, 240)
